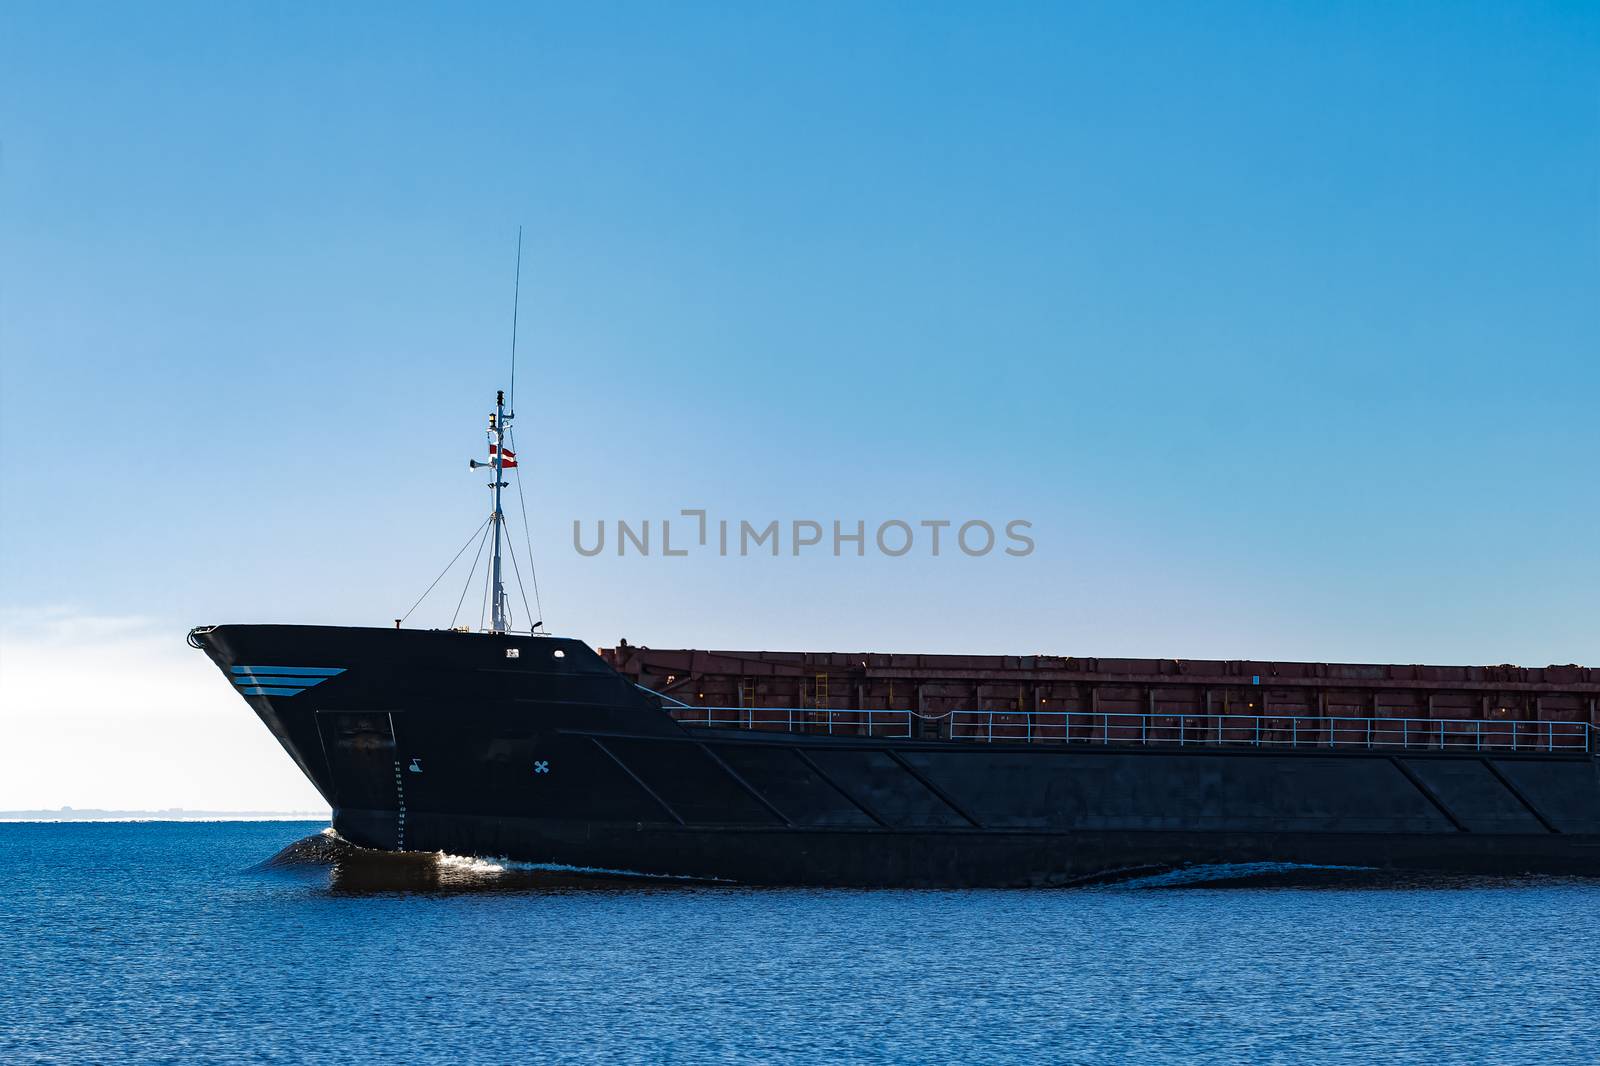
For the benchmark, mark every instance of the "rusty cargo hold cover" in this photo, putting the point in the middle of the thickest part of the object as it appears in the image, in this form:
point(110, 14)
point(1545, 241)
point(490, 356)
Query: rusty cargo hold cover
point(872, 680)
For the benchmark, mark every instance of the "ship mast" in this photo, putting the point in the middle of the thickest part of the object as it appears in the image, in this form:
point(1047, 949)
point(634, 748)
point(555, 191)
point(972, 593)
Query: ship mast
point(498, 619)
point(497, 451)
point(499, 461)
point(494, 527)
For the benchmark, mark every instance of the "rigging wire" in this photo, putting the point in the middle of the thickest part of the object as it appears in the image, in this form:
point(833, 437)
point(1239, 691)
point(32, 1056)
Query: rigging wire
point(446, 570)
point(488, 579)
point(527, 533)
point(522, 588)
point(471, 571)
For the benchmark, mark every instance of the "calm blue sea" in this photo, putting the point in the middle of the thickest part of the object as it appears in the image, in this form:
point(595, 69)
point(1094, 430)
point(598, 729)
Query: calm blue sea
point(166, 942)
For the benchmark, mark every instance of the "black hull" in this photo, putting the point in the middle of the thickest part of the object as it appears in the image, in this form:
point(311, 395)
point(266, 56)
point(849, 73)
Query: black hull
point(437, 741)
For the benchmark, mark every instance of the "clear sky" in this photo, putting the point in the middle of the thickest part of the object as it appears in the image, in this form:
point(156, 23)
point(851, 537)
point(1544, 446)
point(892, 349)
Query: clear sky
point(1280, 323)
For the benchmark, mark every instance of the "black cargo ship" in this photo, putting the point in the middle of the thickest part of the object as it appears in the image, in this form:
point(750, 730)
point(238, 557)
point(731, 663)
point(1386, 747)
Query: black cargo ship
point(884, 770)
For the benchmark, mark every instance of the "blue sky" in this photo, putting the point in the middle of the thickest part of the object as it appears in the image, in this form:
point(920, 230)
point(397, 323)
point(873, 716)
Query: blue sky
point(1281, 323)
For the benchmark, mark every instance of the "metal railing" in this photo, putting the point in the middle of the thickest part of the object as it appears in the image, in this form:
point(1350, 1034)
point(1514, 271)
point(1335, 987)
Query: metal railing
point(1295, 731)
point(1173, 729)
point(891, 724)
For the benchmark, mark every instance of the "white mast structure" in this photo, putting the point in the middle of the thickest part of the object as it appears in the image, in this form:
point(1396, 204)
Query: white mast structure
point(497, 519)
point(499, 615)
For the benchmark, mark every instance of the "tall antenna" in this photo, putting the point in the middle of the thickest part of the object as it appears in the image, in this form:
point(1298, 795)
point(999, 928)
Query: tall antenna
point(527, 533)
point(516, 298)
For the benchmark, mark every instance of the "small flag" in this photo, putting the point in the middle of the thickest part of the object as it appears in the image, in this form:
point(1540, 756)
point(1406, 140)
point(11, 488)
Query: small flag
point(508, 458)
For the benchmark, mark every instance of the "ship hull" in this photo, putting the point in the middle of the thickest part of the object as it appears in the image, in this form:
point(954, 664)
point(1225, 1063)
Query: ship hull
point(536, 749)
point(988, 859)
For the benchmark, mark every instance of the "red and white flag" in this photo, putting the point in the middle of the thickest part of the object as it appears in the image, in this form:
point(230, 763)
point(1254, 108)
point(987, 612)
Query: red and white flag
point(508, 458)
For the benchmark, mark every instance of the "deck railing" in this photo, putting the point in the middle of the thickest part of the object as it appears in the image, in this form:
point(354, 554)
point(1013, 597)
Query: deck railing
point(1177, 729)
point(1438, 734)
point(890, 724)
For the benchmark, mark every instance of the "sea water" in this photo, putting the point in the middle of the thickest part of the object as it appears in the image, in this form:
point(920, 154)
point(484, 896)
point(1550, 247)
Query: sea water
point(172, 942)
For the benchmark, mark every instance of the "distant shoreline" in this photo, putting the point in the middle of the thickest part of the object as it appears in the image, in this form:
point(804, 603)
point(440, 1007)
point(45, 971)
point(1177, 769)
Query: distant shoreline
point(175, 814)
